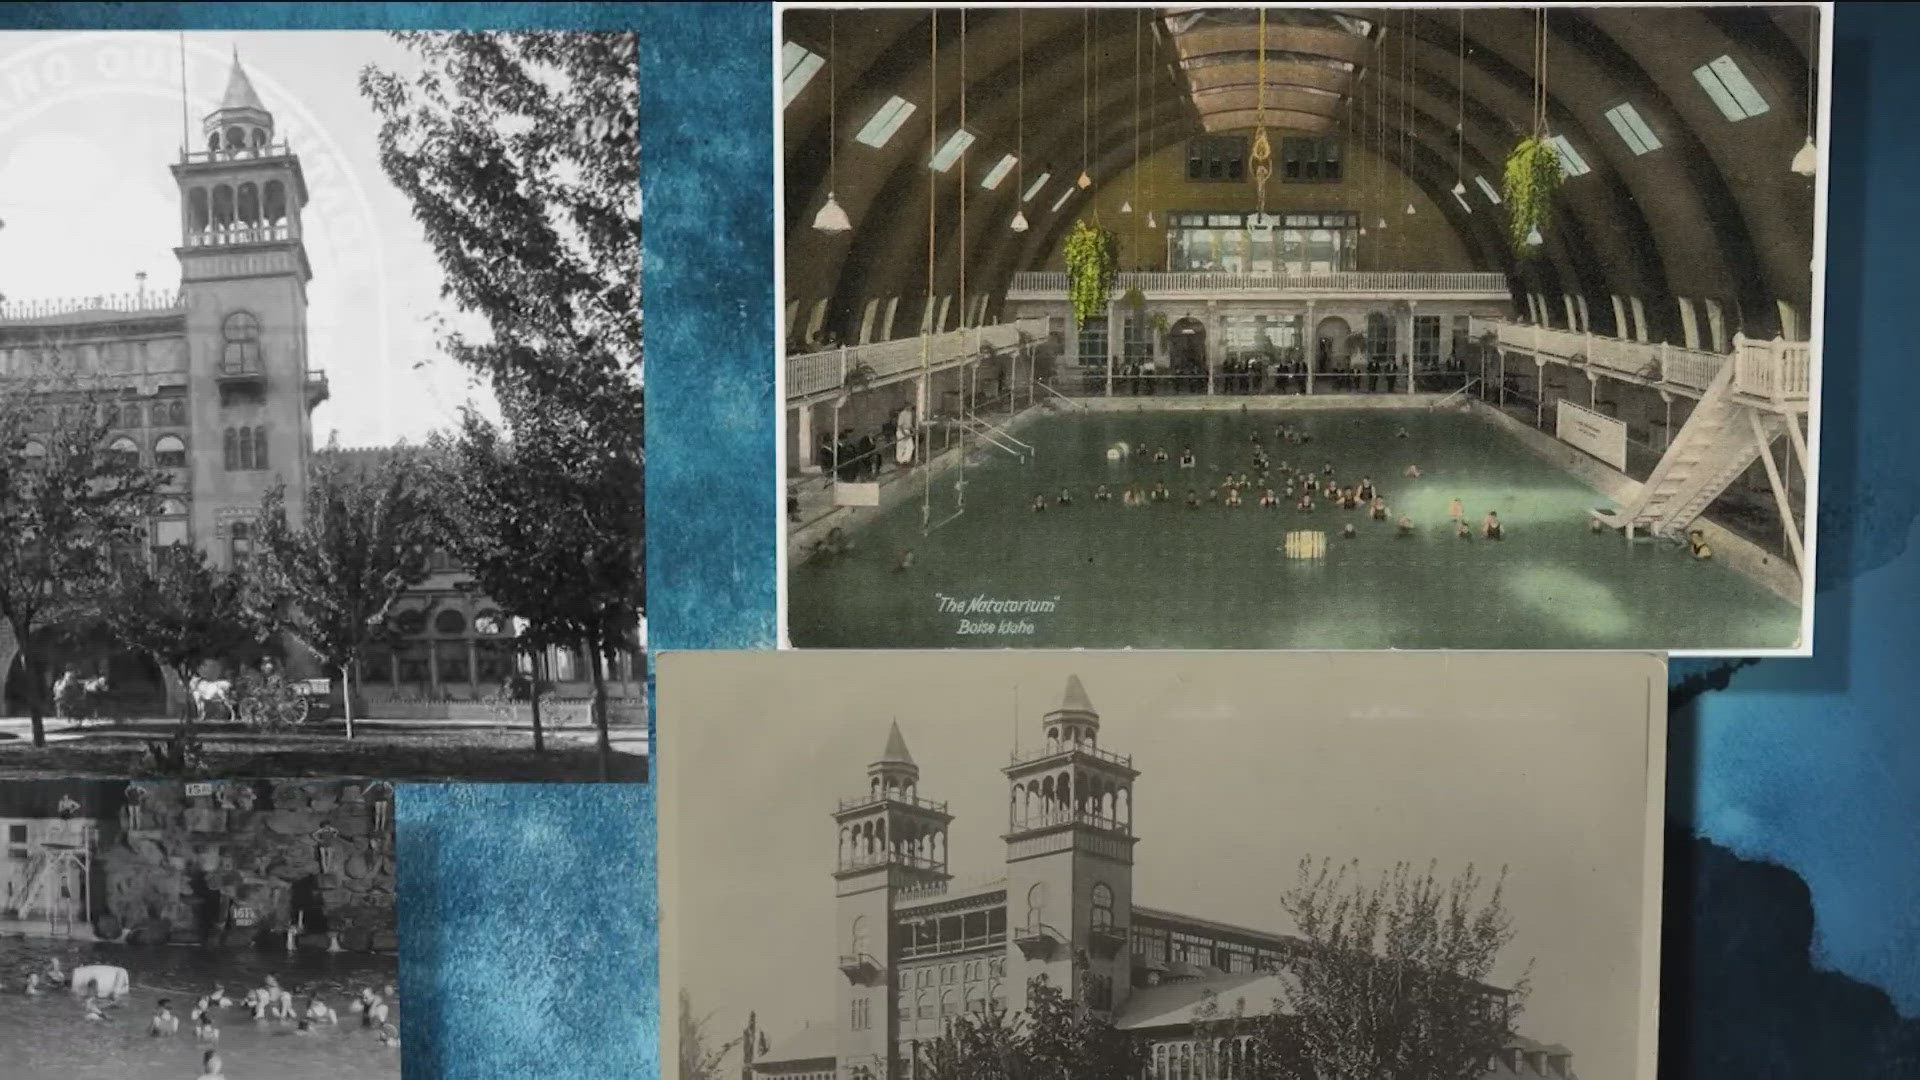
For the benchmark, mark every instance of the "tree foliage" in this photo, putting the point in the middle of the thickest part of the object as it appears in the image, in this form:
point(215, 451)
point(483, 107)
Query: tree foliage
point(1093, 260)
point(68, 509)
point(700, 1056)
point(180, 610)
point(1392, 982)
point(1055, 1038)
point(329, 578)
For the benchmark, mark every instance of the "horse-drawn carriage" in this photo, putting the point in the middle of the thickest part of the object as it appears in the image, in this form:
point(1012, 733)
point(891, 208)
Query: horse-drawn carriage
point(264, 700)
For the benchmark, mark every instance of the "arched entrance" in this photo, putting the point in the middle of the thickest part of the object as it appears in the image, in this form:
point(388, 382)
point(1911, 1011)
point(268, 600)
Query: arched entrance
point(1187, 352)
point(1330, 348)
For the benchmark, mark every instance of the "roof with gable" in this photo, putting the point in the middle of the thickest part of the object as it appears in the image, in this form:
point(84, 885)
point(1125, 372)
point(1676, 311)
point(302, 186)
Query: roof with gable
point(817, 1042)
point(896, 751)
point(240, 93)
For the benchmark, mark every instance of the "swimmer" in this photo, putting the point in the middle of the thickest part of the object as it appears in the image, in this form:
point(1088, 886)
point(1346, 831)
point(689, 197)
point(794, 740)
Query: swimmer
point(219, 997)
point(1233, 496)
point(1349, 500)
point(1306, 501)
point(1160, 455)
point(1213, 495)
point(1039, 503)
point(389, 1036)
point(1128, 498)
point(1463, 532)
point(321, 1013)
point(93, 1010)
point(55, 976)
point(1311, 485)
point(1349, 532)
point(1187, 460)
point(1379, 511)
point(905, 562)
point(1490, 527)
point(33, 985)
point(164, 1022)
point(834, 543)
point(305, 1027)
point(1268, 500)
point(1454, 510)
point(1413, 472)
point(1400, 434)
point(1697, 544)
point(1160, 493)
point(1404, 527)
point(1101, 494)
point(1065, 499)
point(1327, 469)
point(205, 1031)
point(1367, 492)
point(1244, 482)
point(210, 1066)
point(1193, 500)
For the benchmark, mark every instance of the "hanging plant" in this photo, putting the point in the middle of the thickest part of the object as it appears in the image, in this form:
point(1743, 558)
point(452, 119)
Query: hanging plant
point(1160, 321)
point(1133, 298)
point(1092, 259)
point(1533, 175)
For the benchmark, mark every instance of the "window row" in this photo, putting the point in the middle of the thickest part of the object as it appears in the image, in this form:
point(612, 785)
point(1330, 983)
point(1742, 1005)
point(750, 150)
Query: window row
point(245, 449)
point(133, 414)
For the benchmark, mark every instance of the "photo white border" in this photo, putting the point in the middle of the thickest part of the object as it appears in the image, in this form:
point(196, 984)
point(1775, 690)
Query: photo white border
point(1817, 317)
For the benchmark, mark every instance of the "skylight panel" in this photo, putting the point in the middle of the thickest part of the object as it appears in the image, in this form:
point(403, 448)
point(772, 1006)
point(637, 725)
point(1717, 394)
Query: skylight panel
point(1730, 89)
point(1062, 200)
point(885, 122)
point(998, 172)
point(1633, 130)
point(1570, 159)
point(1034, 188)
point(801, 65)
point(1487, 190)
point(951, 150)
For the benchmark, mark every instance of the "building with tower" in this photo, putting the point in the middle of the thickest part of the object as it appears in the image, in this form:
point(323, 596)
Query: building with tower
point(920, 946)
point(215, 386)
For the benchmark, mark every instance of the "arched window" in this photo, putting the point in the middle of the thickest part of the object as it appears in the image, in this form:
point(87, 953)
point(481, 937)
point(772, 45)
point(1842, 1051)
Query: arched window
point(1102, 907)
point(411, 621)
point(240, 348)
point(169, 452)
point(177, 413)
point(245, 437)
point(857, 944)
point(259, 448)
point(274, 202)
point(450, 623)
point(236, 138)
point(222, 206)
point(123, 451)
point(35, 453)
point(1036, 906)
point(231, 444)
point(249, 209)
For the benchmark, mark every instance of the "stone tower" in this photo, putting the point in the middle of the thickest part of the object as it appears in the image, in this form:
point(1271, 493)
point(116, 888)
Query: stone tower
point(243, 280)
point(1070, 860)
point(892, 843)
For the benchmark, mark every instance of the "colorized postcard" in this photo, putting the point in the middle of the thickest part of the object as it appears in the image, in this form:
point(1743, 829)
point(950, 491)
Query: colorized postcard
point(960, 864)
point(1489, 327)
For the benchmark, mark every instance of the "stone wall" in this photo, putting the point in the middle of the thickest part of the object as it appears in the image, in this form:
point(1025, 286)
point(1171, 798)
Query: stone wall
point(238, 863)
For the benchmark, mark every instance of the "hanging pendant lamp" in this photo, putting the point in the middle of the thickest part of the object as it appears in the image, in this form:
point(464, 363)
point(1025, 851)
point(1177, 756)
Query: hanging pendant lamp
point(831, 218)
point(1126, 206)
point(1381, 224)
point(1534, 239)
point(1409, 208)
point(1806, 161)
point(1084, 182)
point(1150, 221)
point(1459, 187)
point(1019, 223)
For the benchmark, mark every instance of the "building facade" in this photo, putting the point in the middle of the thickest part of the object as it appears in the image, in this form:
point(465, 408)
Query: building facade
point(214, 386)
point(918, 948)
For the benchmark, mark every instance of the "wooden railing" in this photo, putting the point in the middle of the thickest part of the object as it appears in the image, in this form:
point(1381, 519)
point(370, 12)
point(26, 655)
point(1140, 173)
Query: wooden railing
point(1779, 371)
point(1045, 283)
point(809, 374)
point(1654, 362)
point(132, 303)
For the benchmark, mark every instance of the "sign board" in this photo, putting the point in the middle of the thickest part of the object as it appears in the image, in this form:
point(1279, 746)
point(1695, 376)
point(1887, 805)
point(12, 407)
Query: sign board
point(856, 494)
point(196, 790)
point(245, 916)
point(1596, 433)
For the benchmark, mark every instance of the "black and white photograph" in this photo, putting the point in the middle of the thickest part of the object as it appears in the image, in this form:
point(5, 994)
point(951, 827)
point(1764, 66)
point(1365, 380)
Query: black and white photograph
point(321, 406)
point(1481, 326)
point(954, 865)
point(173, 929)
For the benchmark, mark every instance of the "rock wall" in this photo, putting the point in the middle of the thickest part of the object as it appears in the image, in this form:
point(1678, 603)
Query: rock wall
point(238, 863)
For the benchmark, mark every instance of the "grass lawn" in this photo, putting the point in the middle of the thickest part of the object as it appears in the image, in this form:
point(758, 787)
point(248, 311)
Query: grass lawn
point(469, 754)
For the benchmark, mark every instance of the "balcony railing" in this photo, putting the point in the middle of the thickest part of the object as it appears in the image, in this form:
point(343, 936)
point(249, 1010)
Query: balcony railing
point(1779, 371)
point(809, 374)
point(250, 153)
point(244, 234)
point(130, 303)
point(1052, 749)
point(1653, 362)
point(1046, 284)
point(863, 860)
point(854, 802)
point(1047, 819)
point(953, 945)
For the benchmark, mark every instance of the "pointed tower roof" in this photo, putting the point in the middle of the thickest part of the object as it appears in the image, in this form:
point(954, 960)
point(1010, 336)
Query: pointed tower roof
point(896, 751)
point(240, 93)
point(1075, 699)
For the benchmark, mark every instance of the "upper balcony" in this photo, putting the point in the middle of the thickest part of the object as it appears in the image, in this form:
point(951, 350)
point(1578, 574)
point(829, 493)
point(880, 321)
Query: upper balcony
point(92, 308)
point(1056, 748)
point(318, 390)
point(813, 376)
point(1194, 285)
point(1775, 373)
point(236, 235)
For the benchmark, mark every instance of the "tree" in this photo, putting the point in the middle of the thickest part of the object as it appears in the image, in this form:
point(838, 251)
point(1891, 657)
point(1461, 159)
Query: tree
point(69, 507)
point(520, 155)
point(1055, 1038)
point(331, 581)
point(1391, 983)
point(698, 1059)
point(181, 611)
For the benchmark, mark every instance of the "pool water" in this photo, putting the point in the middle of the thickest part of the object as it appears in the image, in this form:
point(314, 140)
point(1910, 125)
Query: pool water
point(1164, 576)
point(48, 1036)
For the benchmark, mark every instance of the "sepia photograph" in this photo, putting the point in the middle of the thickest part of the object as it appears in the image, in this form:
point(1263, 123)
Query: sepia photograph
point(171, 929)
point(954, 865)
point(1483, 327)
point(321, 406)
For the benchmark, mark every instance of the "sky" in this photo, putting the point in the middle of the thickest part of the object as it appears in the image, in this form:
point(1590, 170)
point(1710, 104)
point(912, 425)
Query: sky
point(1248, 763)
point(90, 122)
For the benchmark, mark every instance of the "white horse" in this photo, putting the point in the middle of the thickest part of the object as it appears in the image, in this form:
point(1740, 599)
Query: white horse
point(207, 691)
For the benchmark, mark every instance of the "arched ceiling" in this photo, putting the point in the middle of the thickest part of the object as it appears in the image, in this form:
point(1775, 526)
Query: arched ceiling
point(1442, 94)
